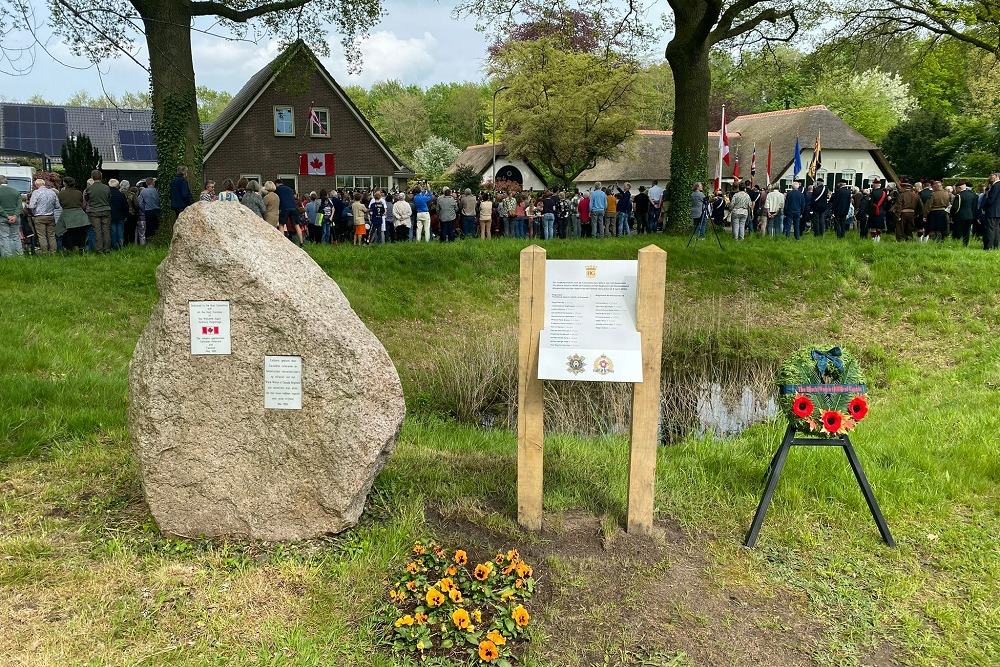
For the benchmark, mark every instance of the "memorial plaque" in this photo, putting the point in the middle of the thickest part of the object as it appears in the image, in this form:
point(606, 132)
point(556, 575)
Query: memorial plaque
point(590, 322)
point(283, 383)
point(209, 327)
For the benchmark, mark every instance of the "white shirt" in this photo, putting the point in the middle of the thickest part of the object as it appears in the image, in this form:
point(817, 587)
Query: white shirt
point(655, 195)
point(775, 201)
point(401, 212)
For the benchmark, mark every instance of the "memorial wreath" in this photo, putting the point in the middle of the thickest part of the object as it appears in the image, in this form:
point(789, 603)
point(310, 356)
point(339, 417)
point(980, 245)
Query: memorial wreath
point(822, 390)
point(446, 606)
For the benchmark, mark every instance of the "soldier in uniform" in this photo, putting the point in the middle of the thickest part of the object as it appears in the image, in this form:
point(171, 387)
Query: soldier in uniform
point(925, 193)
point(908, 210)
point(963, 212)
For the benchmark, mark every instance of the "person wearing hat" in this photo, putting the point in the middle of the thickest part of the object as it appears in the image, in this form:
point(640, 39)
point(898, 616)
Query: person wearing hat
point(877, 201)
point(963, 212)
point(840, 204)
point(908, 209)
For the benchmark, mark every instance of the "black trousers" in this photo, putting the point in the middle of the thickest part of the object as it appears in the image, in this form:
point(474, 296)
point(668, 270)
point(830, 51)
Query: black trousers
point(961, 230)
point(152, 222)
point(991, 233)
point(840, 225)
point(819, 221)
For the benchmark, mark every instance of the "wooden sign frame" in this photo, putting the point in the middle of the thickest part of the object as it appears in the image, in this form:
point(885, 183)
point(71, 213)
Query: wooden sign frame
point(650, 292)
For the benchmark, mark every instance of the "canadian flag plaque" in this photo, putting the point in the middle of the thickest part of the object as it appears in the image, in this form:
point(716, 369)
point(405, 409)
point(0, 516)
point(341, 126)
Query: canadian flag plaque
point(316, 164)
point(209, 327)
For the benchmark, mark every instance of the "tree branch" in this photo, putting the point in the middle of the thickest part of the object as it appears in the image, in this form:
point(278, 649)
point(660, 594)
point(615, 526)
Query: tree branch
point(213, 8)
point(771, 16)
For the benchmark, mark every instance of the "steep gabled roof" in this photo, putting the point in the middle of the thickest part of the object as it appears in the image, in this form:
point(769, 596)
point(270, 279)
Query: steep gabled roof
point(480, 157)
point(259, 82)
point(646, 157)
point(782, 127)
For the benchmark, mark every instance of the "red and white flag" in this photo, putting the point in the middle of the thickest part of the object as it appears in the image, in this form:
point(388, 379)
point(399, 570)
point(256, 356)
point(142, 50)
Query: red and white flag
point(209, 330)
point(736, 169)
point(723, 149)
point(768, 164)
point(753, 162)
point(314, 119)
point(316, 164)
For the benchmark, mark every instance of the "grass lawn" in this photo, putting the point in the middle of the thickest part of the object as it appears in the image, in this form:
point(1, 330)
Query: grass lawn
point(86, 579)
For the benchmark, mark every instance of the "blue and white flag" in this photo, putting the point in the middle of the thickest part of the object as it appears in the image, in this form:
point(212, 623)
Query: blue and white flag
point(797, 164)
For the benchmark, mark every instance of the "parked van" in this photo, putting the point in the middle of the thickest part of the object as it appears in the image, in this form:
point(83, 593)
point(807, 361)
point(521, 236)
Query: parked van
point(18, 177)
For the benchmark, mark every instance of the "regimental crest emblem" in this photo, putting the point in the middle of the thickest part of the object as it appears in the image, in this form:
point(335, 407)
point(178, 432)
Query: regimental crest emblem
point(603, 365)
point(575, 364)
point(591, 270)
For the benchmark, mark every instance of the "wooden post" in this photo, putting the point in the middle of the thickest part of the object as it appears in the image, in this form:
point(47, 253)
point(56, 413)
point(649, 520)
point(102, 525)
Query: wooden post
point(530, 434)
point(645, 395)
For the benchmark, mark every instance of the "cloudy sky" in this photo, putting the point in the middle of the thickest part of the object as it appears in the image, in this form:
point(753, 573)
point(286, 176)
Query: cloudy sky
point(417, 42)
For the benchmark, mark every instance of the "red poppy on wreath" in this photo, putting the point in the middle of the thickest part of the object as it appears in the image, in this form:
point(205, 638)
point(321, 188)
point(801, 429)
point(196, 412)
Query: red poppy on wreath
point(858, 408)
point(802, 406)
point(832, 421)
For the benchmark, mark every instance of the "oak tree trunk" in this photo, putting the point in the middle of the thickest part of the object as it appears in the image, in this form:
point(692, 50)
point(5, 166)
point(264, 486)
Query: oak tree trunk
point(175, 106)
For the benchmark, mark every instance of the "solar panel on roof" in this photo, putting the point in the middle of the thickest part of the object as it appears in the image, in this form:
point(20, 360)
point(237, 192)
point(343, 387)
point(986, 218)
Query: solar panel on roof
point(137, 145)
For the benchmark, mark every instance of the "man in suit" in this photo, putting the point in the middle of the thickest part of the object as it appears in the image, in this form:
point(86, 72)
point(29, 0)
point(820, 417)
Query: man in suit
point(963, 212)
point(795, 204)
point(991, 214)
point(840, 204)
point(819, 199)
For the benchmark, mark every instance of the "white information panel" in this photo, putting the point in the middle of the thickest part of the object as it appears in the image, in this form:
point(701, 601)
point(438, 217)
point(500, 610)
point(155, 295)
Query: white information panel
point(209, 327)
point(590, 322)
point(283, 383)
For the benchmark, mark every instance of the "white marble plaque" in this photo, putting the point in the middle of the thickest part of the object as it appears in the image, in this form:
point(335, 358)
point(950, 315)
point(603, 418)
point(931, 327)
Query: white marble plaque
point(209, 327)
point(283, 383)
point(590, 322)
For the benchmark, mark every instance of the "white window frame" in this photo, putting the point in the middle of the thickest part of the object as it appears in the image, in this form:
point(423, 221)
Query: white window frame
point(288, 177)
point(253, 177)
point(337, 181)
point(274, 119)
point(366, 187)
point(312, 126)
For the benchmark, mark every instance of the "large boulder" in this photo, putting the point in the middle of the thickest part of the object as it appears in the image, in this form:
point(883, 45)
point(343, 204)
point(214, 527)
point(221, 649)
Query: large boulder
point(214, 460)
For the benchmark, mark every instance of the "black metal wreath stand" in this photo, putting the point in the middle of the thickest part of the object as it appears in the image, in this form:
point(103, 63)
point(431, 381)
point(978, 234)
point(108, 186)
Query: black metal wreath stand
point(778, 462)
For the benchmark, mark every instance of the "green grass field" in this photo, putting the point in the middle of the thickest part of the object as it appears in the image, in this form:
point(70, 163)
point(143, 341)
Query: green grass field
point(86, 579)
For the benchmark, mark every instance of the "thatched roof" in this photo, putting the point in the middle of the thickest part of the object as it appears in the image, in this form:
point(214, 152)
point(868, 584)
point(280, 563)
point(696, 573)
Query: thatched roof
point(646, 157)
point(480, 157)
point(782, 127)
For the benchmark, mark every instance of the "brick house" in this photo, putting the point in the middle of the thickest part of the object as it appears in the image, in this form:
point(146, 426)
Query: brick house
point(272, 121)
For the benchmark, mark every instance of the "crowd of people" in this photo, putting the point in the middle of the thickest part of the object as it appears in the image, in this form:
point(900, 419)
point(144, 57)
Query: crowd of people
point(101, 217)
point(926, 211)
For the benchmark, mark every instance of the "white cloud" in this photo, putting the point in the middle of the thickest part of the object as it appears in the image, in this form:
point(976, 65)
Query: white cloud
point(385, 55)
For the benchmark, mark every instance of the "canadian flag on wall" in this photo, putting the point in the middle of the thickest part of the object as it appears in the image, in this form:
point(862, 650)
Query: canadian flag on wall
point(316, 164)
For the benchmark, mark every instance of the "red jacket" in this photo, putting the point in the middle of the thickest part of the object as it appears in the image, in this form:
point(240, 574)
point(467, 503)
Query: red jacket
point(584, 208)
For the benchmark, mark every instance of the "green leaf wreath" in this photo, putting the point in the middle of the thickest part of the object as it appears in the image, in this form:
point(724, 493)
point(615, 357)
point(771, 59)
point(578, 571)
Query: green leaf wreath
point(822, 390)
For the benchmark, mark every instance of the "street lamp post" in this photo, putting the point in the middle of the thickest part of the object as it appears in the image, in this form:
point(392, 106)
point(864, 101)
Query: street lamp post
point(494, 135)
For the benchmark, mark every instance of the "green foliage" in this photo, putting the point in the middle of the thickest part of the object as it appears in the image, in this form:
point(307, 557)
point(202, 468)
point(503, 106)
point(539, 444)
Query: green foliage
point(464, 176)
point(872, 102)
point(685, 170)
point(564, 110)
point(211, 103)
point(457, 111)
point(79, 158)
point(172, 146)
point(915, 146)
point(434, 156)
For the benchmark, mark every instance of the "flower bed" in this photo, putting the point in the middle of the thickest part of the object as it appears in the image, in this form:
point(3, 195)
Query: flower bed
point(822, 390)
point(444, 606)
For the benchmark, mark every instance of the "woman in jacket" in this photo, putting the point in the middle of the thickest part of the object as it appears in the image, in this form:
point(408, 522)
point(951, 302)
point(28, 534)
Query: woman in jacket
point(272, 205)
point(73, 219)
point(253, 201)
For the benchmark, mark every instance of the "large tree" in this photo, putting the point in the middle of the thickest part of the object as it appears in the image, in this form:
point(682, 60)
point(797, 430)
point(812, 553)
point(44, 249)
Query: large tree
point(698, 26)
point(101, 29)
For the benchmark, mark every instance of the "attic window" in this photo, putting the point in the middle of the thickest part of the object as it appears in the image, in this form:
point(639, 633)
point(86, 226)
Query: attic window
point(319, 122)
point(284, 121)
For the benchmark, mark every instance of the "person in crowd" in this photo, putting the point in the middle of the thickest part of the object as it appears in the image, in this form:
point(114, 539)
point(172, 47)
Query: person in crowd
point(598, 204)
point(11, 208)
point(718, 209)
point(549, 204)
point(228, 191)
point(583, 214)
point(506, 209)
point(640, 206)
point(253, 200)
point(741, 208)
point(655, 206)
point(377, 216)
point(42, 207)
point(485, 215)
point(939, 205)
point(288, 211)
point(314, 218)
point(180, 191)
point(447, 210)
point(149, 204)
point(774, 209)
point(272, 205)
point(624, 208)
point(819, 206)
point(360, 213)
point(401, 212)
point(991, 213)
point(795, 205)
point(208, 194)
point(963, 212)
point(520, 226)
point(699, 213)
point(422, 198)
point(610, 213)
point(241, 187)
point(564, 215)
point(877, 202)
point(99, 210)
point(119, 213)
point(469, 204)
point(840, 206)
point(73, 218)
point(132, 219)
point(908, 209)
point(925, 193)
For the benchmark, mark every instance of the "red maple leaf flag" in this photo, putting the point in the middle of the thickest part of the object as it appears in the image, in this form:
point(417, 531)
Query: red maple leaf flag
point(316, 164)
point(209, 330)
